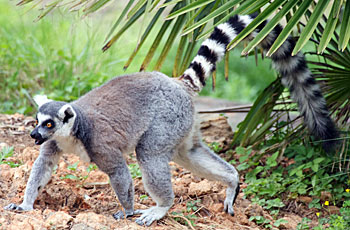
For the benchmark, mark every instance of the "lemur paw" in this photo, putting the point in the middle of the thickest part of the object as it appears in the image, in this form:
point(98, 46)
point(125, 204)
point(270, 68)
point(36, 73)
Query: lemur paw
point(15, 207)
point(148, 216)
point(228, 207)
point(231, 195)
point(121, 215)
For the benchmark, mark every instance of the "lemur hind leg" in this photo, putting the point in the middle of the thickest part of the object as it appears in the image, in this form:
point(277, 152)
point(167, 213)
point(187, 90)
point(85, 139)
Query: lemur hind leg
point(203, 162)
point(154, 151)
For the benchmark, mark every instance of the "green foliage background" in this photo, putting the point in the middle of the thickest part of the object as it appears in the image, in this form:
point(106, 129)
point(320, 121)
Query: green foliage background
point(60, 55)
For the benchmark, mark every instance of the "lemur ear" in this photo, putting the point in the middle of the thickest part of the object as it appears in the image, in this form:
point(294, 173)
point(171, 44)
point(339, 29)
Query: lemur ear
point(66, 113)
point(41, 99)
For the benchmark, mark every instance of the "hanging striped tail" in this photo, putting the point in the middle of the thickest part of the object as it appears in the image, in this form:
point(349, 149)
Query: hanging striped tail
point(293, 69)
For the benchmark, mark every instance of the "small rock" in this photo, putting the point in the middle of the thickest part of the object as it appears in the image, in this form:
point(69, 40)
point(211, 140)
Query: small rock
point(254, 210)
point(20, 172)
point(92, 220)
point(292, 222)
point(333, 209)
point(18, 115)
point(81, 226)
point(48, 212)
point(217, 207)
point(21, 128)
point(97, 176)
point(326, 196)
point(179, 188)
point(243, 186)
point(217, 130)
point(197, 189)
point(244, 203)
point(305, 199)
point(3, 145)
point(58, 220)
point(5, 172)
point(30, 154)
point(25, 221)
point(62, 165)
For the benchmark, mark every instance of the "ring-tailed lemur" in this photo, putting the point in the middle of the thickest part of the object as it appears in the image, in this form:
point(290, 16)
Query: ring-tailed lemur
point(154, 115)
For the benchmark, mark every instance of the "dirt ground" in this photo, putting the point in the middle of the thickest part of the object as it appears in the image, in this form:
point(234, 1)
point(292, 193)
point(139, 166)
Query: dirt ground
point(89, 202)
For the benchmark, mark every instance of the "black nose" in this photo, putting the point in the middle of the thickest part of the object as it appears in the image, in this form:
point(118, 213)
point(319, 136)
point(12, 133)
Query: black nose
point(35, 134)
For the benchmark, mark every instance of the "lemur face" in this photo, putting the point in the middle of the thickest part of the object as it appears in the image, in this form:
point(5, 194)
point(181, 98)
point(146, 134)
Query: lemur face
point(54, 119)
point(45, 128)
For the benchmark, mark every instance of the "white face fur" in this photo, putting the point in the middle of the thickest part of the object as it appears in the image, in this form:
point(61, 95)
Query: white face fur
point(66, 127)
point(55, 126)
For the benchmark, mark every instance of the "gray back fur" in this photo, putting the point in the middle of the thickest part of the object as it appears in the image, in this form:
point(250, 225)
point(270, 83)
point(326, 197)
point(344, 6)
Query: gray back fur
point(123, 109)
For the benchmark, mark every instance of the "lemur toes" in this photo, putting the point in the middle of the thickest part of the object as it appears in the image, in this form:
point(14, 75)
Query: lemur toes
point(150, 215)
point(231, 195)
point(228, 207)
point(15, 207)
point(121, 215)
point(11, 207)
point(146, 221)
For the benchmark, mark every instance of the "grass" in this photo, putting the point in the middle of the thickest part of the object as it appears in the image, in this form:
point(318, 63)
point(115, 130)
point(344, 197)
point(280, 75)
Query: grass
point(58, 56)
point(61, 56)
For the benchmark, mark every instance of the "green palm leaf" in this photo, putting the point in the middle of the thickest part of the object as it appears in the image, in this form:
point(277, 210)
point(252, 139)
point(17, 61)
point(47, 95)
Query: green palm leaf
point(344, 35)
point(311, 25)
point(267, 29)
point(191, 20)
point(256, 22)
point(292, 10)
point(290, 25)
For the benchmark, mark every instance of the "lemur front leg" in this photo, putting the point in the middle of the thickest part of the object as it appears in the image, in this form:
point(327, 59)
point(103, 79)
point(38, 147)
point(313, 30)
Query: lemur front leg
point(39, 176)
point(122, 185)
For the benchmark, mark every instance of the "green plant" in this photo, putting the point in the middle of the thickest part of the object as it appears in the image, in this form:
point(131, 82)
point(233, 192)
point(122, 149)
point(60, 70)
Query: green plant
point(143, 197)
point(5, 153)
point(266, 223)
point(338, 222)
point(278, 222)
point(185, 219)
point(304, 224)
point(72, 168)
point(135, 170)
point(77, 176)
point(215, 147)
point(311, 173)
point(191, 206)
point(260, 220)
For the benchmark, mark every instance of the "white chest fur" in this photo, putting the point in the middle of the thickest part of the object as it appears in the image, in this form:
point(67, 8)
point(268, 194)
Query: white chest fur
point(72, 145)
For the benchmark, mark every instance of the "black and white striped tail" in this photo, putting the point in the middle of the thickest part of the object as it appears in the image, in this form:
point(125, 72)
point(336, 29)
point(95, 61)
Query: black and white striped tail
point(212, 50)
point(293, 69)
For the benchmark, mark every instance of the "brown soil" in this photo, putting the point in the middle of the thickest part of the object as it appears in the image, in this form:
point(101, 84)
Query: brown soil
point(89, 204)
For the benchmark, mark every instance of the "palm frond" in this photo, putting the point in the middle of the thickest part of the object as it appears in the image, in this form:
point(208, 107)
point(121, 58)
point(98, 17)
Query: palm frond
point(190, 18)
point(334, 71)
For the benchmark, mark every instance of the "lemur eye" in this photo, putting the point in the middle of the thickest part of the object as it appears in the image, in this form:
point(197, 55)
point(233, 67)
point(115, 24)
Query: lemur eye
point(36, 122)
point(49, 125)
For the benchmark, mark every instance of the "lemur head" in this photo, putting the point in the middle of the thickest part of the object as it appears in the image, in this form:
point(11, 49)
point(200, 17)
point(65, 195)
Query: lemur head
point(54, 119)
